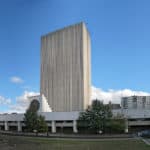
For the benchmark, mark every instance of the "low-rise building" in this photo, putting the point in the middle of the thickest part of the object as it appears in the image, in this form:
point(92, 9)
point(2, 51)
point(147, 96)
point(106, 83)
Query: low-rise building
point(137, 118)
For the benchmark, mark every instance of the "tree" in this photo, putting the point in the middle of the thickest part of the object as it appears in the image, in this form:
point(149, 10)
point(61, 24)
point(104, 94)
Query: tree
point(41, 124)
point(32, 120)
point(96, 116)
point(117, 124)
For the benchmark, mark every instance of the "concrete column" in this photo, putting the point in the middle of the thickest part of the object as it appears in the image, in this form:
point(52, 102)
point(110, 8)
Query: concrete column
point(53, 126)
point(75, 130)
point(19, 126)
point(126, 126)
point(6, 126)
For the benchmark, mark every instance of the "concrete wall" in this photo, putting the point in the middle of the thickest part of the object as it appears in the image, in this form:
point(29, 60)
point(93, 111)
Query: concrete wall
point(136, 102)
point(53, 119)
point(65, 68)
point(69, 119)
point(49, 116)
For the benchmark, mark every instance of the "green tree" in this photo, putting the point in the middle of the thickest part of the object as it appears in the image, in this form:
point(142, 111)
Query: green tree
point(117, 124)
point(96, 116)
point(41, 124)
point(32, 120)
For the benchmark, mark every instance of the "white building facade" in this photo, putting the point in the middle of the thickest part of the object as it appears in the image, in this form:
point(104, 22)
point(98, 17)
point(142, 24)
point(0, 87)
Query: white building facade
point(65, 68)
point(135, 110)
point(54, 120)
point(136, 102)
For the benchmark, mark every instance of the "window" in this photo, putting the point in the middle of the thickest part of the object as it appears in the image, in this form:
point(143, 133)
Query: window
point(143, 102)
point(134, 102)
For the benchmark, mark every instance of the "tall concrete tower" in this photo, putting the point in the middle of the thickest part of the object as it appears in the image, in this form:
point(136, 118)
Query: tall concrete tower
point(65, 68)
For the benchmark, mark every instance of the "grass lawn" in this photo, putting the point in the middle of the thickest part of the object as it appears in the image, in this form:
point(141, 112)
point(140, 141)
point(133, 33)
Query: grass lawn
point(28, 143)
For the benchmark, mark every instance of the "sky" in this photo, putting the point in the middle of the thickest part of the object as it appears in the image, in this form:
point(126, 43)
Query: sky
point(120, 47)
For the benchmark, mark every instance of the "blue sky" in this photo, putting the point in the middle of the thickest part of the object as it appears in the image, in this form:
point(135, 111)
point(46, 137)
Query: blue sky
point(120, 34)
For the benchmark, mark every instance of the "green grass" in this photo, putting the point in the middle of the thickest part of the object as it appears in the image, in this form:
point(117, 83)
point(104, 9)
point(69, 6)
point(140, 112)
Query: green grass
point(28, 143)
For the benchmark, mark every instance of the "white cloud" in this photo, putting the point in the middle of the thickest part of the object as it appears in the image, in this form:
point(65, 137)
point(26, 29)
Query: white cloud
point(114, 95)
point(22, 102)
point(16, 79)
point(4, 101)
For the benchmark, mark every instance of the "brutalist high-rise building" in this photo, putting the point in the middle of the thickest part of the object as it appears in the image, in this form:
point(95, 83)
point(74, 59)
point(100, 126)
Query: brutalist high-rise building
point(65, 68)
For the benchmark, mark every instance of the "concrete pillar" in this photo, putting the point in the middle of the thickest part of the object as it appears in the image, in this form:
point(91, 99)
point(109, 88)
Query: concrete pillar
point(126, 126)
point(19, 126)
point(53, 126)
point(75, 130)
point(6, 126)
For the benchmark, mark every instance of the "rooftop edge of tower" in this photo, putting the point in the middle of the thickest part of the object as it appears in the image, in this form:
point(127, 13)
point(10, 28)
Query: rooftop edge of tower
point(61, 29)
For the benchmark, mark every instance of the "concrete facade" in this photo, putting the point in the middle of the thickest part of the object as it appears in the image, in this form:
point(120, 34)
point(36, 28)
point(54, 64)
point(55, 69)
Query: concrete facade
point(136, 102)
point(65, 68)
point(44, 106)
point(56, 120)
